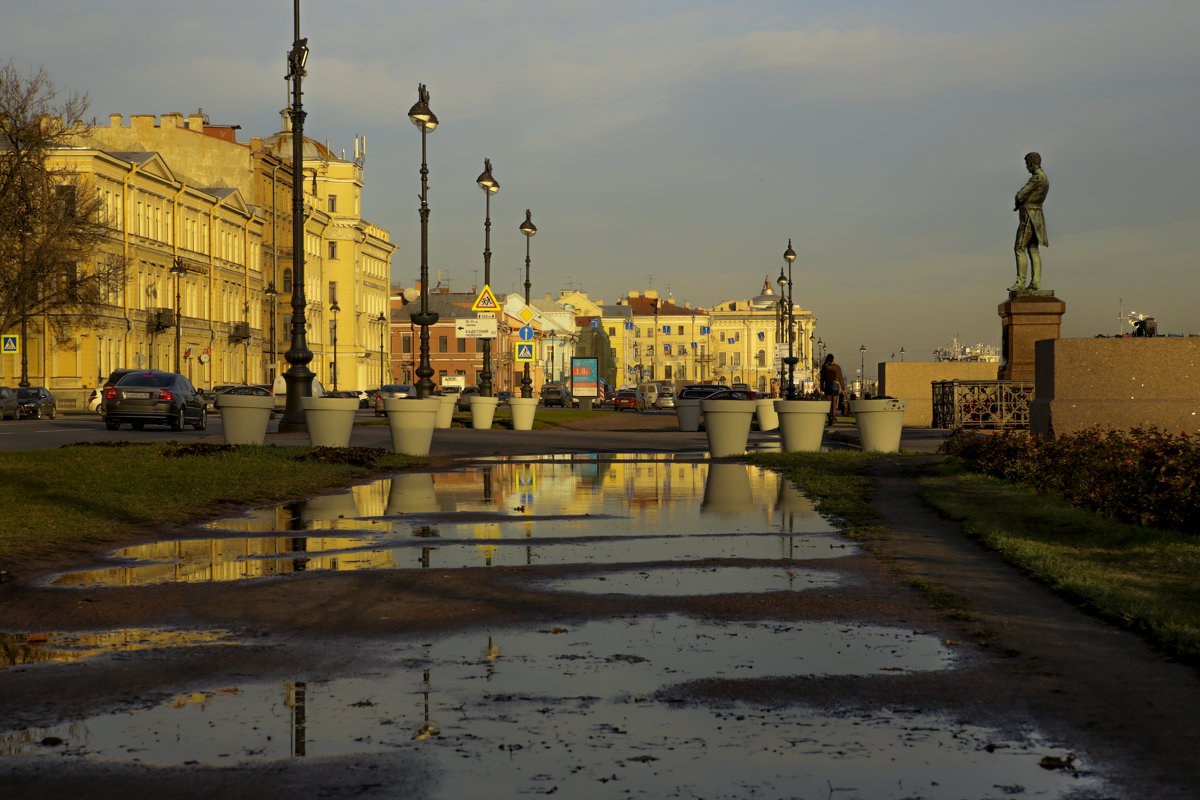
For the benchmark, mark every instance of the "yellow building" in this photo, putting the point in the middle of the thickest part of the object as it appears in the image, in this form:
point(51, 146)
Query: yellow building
point(749, 342)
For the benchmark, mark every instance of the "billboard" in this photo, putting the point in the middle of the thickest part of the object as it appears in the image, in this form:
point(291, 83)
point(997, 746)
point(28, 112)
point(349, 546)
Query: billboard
point(585, 376)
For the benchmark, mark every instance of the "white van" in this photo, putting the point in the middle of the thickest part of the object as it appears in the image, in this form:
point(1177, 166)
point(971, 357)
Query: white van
point(647, 393)
point(279, 389)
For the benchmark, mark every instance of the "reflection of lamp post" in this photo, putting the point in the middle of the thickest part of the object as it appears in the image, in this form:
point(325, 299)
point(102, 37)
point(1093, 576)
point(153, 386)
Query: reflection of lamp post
point(383, 327)
point(298, 377)
point(490, 186)
point(335, 309)
point(529, 229)
point(862, 370)
point(178, 270)
point(273, 295)
point(785, 291)
point(426, 120)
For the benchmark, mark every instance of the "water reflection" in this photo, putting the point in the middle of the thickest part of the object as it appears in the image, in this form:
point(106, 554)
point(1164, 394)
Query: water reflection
point(577, 511)
point(695, 581)
point(31, 648)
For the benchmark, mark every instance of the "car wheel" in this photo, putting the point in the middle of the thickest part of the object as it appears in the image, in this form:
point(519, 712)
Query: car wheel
point(53, 413)
point(137, 426)
point(177, 421)
point(202, 423)
point(112, 426)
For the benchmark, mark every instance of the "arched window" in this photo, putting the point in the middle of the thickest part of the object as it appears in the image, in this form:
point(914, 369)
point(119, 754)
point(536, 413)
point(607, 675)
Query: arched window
point(287, 281)
point(761, 358)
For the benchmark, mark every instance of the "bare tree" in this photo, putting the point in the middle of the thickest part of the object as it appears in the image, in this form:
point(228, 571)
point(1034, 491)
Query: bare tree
point(52, 230)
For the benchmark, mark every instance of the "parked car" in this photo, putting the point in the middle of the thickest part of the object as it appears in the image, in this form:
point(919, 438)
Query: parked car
point(391, 390)
point(256, 390)
point(37, 402)
point(502, 397)
point(554, 394)
point(624, 398)
point(733, 394)
point(665, 399)
point(95, 401)
point(464, 398)
point(156, 397)
point(346, 394)
point(698, 391)
point(279, 389)
point(109, 382)
point(646, 394)
point(9, 408)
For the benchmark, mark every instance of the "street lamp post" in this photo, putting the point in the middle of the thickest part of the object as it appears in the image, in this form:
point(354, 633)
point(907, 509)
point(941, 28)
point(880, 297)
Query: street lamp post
point(490, 186)
point(178, 270)
point(529, 229)
point(785, 285)
point(299, 377)
point(426, 120)
point(901, 353)
point(335, 309)
point(862, 371)
point(272, 294)
point(383, 328)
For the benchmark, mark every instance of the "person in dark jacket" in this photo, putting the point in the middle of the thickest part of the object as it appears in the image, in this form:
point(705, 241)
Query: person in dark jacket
point(833, 384)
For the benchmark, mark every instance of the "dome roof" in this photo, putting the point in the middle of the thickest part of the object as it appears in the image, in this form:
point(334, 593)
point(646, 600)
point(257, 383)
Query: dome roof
point(281, 144)
point(767, 298)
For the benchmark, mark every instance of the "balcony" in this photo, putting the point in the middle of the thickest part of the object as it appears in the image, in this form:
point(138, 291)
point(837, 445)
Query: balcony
point(239, 331)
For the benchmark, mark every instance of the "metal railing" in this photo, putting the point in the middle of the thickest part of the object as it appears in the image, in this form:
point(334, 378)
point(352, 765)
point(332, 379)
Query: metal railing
point(981, 404)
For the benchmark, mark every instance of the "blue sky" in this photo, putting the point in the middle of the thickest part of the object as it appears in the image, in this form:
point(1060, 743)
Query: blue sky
point(679, 145)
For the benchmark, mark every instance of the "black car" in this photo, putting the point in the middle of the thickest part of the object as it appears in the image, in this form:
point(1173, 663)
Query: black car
point(156, 397)
point(9, 408)
point(555, 395)
point(699, 391)
point(37, 402)
point(463, 403)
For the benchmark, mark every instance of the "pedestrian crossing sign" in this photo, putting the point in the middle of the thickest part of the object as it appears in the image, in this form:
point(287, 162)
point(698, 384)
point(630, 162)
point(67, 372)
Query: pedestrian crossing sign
point(486, 301)
point(10, 345)
point(525, 351)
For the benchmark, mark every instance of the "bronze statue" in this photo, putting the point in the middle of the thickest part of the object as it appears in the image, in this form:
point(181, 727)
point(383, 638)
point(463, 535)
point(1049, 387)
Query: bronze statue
point(1031, 231)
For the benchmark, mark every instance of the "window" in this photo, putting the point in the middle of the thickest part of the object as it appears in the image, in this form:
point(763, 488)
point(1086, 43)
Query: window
point(612, 331)
point(333, 204)
point(679, 330)
point(721, 360)
point(462, 345)
point(287, 281)
point(332, 292)
point(443, 344)
point(406, 346)
point(333, 251)
point(761, 358)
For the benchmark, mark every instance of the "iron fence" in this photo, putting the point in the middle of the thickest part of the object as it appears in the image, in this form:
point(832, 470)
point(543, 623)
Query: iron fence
point(981, 404)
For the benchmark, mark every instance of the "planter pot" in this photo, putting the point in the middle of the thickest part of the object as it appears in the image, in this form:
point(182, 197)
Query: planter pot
point(688, 414)
point(411, 421)
point(727, 425)
point(412, 493)
point(764, 409)
point(802, 424)
point(244, 417)
point(523, 411)
point(727, 489)
point(483, 410)
point(329, 420)
point(445, 412)
point(879, 423)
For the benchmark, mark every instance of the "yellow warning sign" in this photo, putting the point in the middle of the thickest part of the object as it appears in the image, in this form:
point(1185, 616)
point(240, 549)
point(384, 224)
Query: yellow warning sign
point(486, 300)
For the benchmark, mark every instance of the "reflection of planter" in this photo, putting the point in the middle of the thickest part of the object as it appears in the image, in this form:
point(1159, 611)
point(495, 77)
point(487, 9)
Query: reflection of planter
point(329, 508)
point(879, 423)
point(483, 409)
point(764, 409)
point(412, 493)
point(329, 420)
point(445, 414)
point(727, 424)
point(688, 413)
point(411, 421)
point(244, 417)
point(523, 411)
point(727, 488)
point(802, 424)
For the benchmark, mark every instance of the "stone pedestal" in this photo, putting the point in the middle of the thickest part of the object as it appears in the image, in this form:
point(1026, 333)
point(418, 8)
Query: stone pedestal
point(1027, 317)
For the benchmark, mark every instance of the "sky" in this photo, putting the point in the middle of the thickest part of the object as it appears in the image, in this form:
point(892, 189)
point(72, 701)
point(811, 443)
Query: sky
point(679, 145)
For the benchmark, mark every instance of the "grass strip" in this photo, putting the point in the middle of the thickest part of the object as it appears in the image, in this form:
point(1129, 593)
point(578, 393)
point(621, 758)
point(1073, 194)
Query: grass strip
point(1142, 578)
point(70, 496)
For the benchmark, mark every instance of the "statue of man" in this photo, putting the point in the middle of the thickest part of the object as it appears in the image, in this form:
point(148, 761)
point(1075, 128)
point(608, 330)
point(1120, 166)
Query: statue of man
point(1031, 231)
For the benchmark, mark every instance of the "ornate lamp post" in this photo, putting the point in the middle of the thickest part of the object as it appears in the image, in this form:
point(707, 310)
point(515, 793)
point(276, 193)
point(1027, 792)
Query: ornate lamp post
point(426, 121)
point(862, 370)
point(529, 229)
point(273, 295)
point(178, 270)
point(785, 291)
point(901, 353)
point(383, 327)
point(298, 377)
point(490, 186)
point(335, 309)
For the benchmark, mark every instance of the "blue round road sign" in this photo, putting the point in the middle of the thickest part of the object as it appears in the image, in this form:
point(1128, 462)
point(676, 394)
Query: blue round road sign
point(526, 334)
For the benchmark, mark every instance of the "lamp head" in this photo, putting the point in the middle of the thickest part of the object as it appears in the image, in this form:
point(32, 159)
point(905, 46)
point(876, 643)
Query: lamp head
point(527, 227)
point(420, 114)
point(783, 281)
point(297, 58)
point(485, 179)
point(270, 291)
point(334, 307)
point(178, 268)
point(789, 255)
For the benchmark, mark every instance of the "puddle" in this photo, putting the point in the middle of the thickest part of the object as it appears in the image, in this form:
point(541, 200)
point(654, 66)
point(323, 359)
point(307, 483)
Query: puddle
point(575, 709)
point(631, 510)
point(694, 581)
point(34, 648)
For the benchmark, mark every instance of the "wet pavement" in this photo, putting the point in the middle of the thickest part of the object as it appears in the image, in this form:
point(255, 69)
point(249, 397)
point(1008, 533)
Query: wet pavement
point(605, 703)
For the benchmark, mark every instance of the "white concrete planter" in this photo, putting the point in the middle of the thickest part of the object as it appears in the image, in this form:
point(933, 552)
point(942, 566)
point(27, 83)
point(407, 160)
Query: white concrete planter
point(411, 421)
point(445, 413)
point(688, 413)
point(329, 420)
point(483, 410)
point(764, 409)
point(727, 488)
point(727, 424)
point(523, 411)
point(244, 417)
point(412, 493)
point(802, 424)
point(879, 423)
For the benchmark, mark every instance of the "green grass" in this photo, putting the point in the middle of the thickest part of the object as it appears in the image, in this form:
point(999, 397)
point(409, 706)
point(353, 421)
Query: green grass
point(1145, 579)
point(63, 498)
point(837, 482)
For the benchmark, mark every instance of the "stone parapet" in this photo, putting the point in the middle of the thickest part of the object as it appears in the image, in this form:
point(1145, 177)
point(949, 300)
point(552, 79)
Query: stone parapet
point(913, 381)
